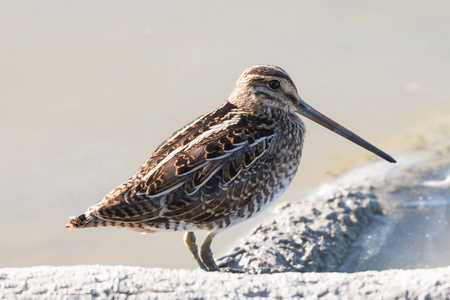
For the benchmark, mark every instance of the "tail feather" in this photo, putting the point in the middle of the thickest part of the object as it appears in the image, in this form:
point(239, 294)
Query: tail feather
point(87, 220)
point(82, 221)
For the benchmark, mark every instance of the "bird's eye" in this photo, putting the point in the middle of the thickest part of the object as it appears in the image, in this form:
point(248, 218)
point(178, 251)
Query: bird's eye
point(274, 84)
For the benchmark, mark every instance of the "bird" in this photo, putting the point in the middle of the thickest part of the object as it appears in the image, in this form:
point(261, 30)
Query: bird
point(221, 169)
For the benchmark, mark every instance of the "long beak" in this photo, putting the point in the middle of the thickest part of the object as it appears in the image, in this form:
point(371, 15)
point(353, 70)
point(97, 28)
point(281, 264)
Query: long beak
point(304, 109)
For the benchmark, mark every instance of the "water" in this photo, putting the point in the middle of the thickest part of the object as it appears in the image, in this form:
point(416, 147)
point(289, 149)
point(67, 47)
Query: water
point(88, 92)
point(412, 234)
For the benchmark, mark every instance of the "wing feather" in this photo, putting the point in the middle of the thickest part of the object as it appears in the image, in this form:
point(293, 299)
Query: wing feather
point(202, 172)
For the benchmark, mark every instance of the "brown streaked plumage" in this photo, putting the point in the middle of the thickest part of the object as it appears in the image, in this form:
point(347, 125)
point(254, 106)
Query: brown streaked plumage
point(222, 168)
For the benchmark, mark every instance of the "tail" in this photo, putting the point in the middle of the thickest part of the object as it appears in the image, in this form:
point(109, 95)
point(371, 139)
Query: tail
point(83, 221)
point(88, 219)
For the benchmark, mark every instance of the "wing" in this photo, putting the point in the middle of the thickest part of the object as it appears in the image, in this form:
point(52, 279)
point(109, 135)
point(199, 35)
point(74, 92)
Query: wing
point(203, 171)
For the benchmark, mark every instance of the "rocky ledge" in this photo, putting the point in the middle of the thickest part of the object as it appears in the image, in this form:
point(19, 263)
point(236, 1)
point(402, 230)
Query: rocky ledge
point(318, 233)
point(120, 282)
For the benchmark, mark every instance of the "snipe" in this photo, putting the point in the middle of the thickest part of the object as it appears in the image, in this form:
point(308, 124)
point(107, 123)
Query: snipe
point(220, 169)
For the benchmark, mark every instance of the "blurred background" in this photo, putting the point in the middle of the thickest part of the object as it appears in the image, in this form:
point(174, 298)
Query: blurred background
point(88, 89)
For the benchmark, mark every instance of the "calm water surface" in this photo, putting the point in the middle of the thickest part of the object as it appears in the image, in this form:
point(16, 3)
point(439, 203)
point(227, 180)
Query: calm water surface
point(88, 92)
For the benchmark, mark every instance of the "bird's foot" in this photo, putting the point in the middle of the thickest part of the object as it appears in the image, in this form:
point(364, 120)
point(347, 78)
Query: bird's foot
point(225, 260)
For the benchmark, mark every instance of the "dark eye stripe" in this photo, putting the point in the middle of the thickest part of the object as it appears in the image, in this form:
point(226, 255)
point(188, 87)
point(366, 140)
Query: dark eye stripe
point(292, 98)
point(273, 71)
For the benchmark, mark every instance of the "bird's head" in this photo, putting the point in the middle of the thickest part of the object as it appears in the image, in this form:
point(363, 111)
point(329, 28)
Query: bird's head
point(266, 87)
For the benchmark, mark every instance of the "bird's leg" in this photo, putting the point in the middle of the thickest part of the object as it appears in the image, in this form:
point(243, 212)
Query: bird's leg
point(207, 255)
point(189, 240)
